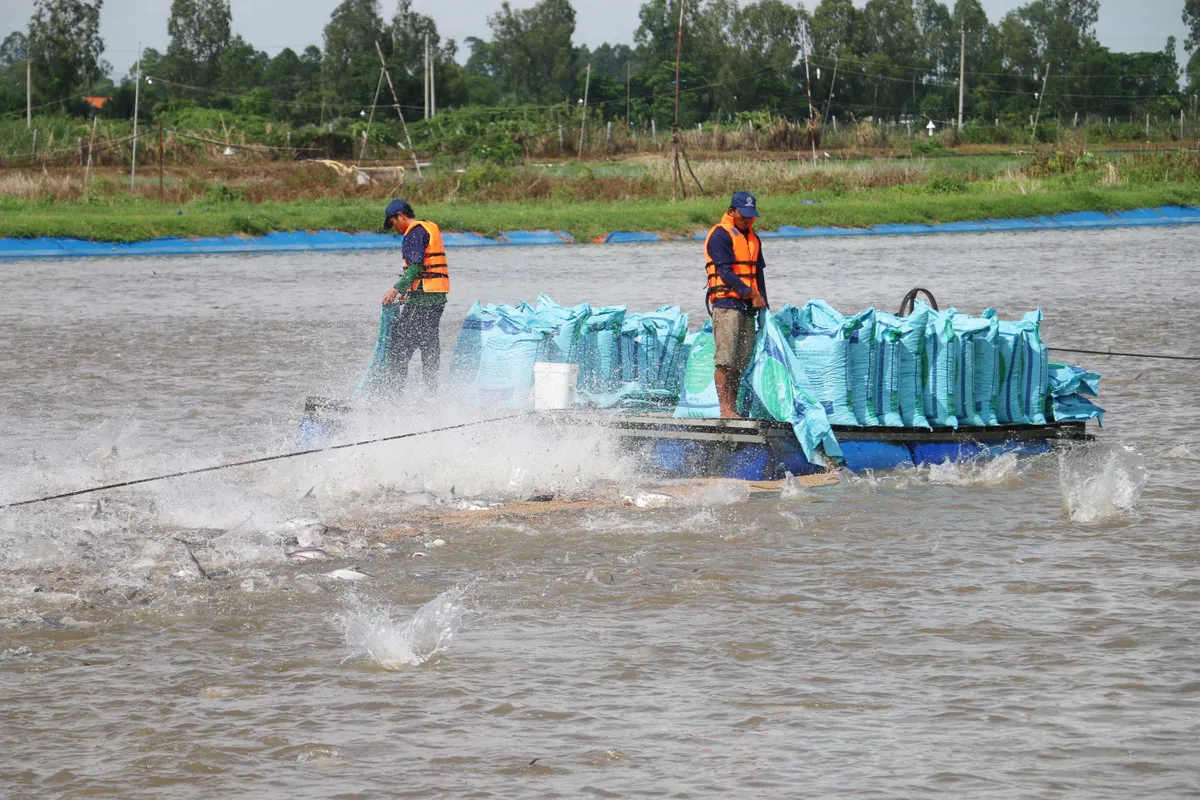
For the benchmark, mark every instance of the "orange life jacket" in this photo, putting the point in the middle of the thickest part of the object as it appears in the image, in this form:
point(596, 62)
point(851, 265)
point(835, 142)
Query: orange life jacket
point(745, 260)
point(434, 276)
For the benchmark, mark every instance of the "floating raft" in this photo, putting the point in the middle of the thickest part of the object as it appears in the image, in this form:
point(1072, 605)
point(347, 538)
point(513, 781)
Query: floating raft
point(766, 450)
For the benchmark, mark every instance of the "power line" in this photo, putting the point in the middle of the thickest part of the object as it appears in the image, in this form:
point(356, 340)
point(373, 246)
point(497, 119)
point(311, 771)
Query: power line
point(262, 460)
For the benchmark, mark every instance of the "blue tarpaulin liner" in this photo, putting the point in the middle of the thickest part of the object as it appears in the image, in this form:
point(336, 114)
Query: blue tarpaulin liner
point(777, 383)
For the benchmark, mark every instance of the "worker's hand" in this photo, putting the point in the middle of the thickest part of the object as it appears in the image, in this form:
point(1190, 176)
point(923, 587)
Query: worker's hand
point(758, 300)
point(391, 296)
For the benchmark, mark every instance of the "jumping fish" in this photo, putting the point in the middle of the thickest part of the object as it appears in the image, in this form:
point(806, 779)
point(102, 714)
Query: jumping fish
point(649, 500)
point(347, 575)
point(308, 554)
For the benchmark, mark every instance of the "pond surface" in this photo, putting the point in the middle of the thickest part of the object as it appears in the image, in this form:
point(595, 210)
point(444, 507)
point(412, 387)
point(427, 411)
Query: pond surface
point(1015, 628)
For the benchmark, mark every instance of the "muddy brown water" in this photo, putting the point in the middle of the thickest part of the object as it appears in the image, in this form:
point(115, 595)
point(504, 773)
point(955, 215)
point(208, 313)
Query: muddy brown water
point(1018, 628)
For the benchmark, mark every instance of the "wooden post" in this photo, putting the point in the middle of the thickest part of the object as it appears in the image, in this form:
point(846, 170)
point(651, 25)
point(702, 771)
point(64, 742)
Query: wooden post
point(676, 175)
point(371, 118)
point(587, 82)
point(396, 104)
point(1147, 127)
point(608, 132)
point(561, 146)
point(33, 157)
point(87, 173)
point(654, 134)
point(162, 192)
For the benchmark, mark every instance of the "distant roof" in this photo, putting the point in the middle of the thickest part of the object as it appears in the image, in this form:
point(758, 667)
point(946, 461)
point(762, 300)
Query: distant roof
point(97, 102)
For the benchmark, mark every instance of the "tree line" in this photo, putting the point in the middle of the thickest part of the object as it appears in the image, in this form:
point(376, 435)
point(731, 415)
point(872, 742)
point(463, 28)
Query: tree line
point(891, 60)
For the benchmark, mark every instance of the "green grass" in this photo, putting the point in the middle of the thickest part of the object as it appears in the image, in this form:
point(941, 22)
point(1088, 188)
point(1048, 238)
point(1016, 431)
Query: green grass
point(123, 220)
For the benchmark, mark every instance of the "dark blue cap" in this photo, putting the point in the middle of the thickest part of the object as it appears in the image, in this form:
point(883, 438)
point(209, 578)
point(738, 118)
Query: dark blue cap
point(745, 204)
point(396, 207)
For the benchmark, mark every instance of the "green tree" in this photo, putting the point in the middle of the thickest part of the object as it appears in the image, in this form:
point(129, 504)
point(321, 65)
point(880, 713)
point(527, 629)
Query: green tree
point(65, 47)
point(531, 54)
point(351, 66)
point(199, 31)
point(769, 36)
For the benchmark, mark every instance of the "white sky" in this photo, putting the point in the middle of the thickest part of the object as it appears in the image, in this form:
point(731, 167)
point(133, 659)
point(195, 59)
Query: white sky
point(1125, 25)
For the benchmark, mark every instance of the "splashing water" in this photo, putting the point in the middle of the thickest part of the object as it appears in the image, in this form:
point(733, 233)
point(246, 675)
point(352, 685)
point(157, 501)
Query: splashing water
point(1100, 481)
point(982, 471)
point(371, 631)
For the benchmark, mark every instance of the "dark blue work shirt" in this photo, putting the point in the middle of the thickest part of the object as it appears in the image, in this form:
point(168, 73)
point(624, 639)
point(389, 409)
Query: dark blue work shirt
point(416, 241)
point(720, 252)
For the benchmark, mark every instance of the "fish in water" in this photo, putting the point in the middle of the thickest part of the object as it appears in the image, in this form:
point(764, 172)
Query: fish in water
point(308, 554)
point(348, 575)
point(649, 500)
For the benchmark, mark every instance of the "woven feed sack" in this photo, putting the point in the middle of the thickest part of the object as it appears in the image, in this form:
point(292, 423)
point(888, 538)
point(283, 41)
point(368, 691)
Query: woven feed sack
point(773, 376)
point(1065, 379)
point(468, 350)
point(861, 351)
point(698, 395)
point(1011, 355)
point(650, 345)
point(1076, 408)
point(897, 390)
point(939, 367)
point(568, 324)
point(820, 350)
point(967, 329)
point(1037, 363)
point(505, 375)
point(987, 370)
point(376, 374)
point(598, 353)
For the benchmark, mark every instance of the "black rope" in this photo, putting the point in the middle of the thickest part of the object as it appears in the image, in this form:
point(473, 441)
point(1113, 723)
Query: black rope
point(261, 460)
point(1126, 355)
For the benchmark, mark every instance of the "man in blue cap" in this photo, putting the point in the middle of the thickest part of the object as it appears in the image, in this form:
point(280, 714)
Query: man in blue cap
point(423, 289)
point(737, 290)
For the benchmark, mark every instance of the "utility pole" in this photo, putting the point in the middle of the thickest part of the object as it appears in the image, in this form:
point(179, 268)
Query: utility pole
point(962, 73)
point(137, 93)
point(28, 91)
point(628, 86)
point(812, 123)
point(162, 194)
point(426, 77)
point(676, 175)
point(587, 82)
point(1041, 98)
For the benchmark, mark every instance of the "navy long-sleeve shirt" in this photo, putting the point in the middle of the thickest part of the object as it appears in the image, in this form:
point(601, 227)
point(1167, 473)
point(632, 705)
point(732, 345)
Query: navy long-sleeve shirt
point(416, 242)
point(720, 252)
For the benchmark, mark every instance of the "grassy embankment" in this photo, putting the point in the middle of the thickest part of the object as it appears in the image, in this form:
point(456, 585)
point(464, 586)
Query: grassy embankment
point(592, 200)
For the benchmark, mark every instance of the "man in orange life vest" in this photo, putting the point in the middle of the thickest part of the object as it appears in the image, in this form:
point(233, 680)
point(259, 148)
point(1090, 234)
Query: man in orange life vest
point(422, 289)
point(737, 290)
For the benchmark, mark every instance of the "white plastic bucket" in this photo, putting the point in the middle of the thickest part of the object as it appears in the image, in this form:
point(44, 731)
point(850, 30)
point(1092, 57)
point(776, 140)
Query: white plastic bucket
point(554, 385)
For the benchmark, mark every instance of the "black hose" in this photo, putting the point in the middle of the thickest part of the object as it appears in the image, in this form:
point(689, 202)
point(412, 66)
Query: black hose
point(910, 299)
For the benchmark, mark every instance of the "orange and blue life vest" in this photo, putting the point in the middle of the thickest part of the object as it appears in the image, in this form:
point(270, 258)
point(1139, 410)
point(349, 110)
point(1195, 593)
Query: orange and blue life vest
point(746, 248)
point(434, 277)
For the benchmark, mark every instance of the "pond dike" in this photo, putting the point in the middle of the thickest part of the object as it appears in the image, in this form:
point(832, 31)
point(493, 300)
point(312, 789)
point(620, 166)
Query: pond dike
point(47, 247)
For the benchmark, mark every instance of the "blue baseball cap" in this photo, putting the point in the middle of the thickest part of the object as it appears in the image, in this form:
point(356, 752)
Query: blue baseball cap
point(397, 207)
point(745, 204)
